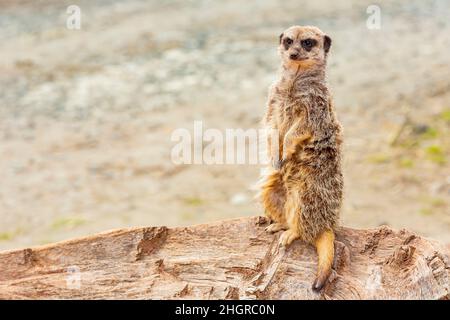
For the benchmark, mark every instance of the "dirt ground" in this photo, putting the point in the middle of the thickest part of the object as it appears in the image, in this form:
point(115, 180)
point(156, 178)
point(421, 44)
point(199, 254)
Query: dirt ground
point(86, 115)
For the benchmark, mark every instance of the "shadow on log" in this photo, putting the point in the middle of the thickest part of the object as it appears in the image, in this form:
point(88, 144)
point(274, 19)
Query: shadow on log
point(232, 259)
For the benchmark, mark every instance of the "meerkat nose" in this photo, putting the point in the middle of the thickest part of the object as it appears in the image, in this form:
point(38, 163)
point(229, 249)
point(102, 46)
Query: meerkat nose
point(293, 56)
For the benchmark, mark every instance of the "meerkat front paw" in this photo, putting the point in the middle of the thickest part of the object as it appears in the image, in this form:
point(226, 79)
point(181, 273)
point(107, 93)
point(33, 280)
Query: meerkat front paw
point(277, 165)
point(288, 236)
point(275, 227)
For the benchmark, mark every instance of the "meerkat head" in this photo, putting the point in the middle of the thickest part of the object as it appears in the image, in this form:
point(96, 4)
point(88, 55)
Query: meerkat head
point(304, 47)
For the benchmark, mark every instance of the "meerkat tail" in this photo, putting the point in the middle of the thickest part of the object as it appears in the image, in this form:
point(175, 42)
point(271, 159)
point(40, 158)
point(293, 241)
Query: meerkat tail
point(325, 250)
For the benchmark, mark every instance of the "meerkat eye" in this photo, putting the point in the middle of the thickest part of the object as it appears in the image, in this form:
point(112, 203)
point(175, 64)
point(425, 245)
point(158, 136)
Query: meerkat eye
point(308, 43)
point(287, 42)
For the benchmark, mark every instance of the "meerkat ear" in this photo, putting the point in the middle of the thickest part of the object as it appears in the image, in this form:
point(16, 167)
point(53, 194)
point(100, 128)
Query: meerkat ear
point(326, 43)
point(281, 37)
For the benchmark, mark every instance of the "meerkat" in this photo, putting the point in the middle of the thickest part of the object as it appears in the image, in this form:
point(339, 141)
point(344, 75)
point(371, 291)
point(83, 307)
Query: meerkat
point(302, 191)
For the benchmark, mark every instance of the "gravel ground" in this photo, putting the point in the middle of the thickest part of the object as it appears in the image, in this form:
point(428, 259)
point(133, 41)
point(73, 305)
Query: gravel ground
point(86, 115)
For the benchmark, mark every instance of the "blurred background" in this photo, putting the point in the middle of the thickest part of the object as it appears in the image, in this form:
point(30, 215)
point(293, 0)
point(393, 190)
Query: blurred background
point(86, 115)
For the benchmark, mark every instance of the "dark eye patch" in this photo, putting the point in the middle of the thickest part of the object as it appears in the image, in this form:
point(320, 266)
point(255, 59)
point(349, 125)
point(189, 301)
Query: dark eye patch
point(287, 42)
point(308, 44)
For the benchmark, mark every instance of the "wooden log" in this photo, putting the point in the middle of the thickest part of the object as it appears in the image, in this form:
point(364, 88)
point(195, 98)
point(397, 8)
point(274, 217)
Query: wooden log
point(233, 259)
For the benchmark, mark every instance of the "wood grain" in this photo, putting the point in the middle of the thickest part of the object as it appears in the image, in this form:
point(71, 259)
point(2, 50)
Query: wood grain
point(232, 259)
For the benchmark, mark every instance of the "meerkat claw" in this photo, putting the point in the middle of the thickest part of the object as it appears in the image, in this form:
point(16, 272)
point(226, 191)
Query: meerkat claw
point(287, 237)
point(275, 227)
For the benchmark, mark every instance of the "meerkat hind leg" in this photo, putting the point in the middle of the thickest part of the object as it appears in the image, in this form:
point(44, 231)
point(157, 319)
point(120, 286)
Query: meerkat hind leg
point(273, 198)
point(325, 251)
point(292, 210)
point(288, 236)
point(275, 227)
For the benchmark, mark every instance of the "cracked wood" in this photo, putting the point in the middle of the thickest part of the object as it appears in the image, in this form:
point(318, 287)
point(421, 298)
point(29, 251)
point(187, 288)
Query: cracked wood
point(232, 259)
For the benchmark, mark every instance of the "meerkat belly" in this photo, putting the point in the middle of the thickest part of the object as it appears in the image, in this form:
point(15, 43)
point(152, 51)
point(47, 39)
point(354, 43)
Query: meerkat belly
point(315, 178)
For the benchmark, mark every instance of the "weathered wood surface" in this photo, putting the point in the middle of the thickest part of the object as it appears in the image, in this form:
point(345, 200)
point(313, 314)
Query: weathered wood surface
point(233, 259)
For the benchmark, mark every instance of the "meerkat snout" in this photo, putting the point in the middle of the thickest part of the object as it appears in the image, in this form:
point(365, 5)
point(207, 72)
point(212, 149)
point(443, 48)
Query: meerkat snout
point(294, 56)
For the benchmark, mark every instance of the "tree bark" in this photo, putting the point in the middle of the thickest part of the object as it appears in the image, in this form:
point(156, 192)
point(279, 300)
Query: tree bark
point(233, 259)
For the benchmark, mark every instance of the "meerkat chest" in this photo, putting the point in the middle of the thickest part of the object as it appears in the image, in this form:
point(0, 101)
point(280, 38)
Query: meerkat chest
point(290, 110)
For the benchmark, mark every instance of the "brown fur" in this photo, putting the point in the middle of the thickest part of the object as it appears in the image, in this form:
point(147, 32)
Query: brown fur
point(303, 191)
